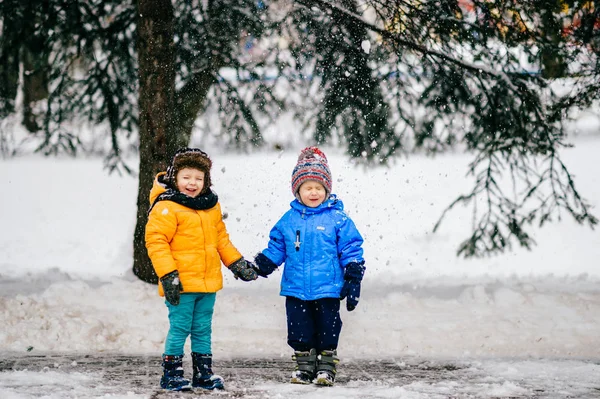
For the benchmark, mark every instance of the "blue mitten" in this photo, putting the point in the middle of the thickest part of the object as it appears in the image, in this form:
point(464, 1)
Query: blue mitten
point(351, 288)
point(264, 266)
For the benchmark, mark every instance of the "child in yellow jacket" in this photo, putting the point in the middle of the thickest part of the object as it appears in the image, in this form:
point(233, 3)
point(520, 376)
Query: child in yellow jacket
point(187, 241)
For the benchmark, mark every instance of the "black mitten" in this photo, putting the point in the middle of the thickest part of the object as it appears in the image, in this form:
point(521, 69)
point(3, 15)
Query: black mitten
point(172, 287)
point(351, 288)
point(263, 266)
point(243, 269)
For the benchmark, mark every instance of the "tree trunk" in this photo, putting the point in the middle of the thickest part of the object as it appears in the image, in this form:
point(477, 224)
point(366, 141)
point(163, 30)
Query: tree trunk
point(35, 66)
point(156, 57)
point(35, 81)
point(190, 100)
point(9, 66)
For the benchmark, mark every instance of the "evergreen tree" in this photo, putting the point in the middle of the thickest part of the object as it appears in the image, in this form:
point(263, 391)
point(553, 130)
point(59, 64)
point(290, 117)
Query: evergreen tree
point(456, 75)
point(385, 77)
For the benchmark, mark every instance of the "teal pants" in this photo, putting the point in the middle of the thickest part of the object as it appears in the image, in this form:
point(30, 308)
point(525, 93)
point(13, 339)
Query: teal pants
point(192, 317)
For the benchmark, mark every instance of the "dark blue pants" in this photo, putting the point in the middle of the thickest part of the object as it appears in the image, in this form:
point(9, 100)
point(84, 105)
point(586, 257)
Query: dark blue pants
point(313, 324)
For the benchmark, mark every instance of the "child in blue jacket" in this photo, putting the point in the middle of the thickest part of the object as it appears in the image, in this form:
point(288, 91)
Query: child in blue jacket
point(322, 251)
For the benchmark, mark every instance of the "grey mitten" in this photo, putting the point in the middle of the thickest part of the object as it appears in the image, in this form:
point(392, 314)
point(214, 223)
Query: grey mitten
point(172, 287)
point(243, 269)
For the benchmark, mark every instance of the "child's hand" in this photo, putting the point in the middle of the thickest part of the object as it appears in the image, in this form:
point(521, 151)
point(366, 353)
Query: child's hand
point(351, 289)
point(263, 266)
point(172, 287)
point(243, 269)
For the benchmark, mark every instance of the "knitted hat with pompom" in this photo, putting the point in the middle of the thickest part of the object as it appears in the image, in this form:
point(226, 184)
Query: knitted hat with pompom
point(312, 165)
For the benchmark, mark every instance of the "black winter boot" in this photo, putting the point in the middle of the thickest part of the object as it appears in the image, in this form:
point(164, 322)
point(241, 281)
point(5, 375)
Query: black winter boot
point(306, 363)
point(326, 368)
point(203, 374)
point(172, 378)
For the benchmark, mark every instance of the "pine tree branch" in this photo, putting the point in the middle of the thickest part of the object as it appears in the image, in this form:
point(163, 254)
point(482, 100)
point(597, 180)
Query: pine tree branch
point(355, 18)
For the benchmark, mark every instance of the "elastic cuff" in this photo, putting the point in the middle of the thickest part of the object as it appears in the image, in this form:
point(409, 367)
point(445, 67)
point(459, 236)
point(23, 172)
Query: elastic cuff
point(354, 271)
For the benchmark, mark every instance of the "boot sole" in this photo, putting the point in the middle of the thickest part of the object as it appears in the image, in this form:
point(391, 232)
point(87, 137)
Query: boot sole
point(324, 382)
point(211, 388)
point(299, 381)
point(218, 385)
point(179, 389)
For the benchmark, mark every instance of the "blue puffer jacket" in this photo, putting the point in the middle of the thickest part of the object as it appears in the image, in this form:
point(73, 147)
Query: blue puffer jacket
point(316, 245)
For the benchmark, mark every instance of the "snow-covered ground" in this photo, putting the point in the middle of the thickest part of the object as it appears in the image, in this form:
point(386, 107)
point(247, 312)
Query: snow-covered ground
point(66, 285)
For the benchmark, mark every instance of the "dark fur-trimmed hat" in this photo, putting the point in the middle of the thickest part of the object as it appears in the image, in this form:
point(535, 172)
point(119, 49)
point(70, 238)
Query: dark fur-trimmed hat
point(312, 165)
point(189, 158)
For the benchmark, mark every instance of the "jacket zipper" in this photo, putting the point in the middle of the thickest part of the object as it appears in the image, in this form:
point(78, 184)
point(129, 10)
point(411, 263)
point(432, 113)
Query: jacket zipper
point(297, 242)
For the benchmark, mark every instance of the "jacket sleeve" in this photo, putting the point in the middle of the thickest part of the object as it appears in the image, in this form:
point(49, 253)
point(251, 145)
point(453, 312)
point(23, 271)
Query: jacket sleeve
point(275, 250)
point(160, 229)
point(349, 241)
point(227, 251)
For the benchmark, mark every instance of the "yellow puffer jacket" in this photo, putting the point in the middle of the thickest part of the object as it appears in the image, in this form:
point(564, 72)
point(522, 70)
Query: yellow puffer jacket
point(192, 242)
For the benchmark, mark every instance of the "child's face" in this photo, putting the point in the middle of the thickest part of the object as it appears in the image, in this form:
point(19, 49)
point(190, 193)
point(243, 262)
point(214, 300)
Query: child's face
point(190, 181)
point(312, 193)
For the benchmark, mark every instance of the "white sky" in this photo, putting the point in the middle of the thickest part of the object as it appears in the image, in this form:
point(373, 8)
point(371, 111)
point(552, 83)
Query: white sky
point(65, 280)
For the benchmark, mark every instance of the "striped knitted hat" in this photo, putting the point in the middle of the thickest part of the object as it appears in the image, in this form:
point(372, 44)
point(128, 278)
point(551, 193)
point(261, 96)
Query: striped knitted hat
point(312, 165)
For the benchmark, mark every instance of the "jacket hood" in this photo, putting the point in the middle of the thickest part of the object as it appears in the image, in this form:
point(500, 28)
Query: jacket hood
point(333, 202)
point(158, 187)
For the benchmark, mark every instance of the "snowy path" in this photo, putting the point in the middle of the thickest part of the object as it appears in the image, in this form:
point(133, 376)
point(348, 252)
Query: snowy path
point(121, 376)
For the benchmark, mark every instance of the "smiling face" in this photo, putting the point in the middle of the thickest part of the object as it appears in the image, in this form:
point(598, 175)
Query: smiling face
point(190, 181)
point(312, 193)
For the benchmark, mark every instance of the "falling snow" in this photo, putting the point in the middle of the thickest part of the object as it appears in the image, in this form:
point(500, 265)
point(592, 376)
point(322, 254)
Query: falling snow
point(509, 325)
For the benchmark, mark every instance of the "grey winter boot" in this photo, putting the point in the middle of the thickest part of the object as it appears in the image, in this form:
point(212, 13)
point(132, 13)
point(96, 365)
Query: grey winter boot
point(306, 363)
point(326, 368)
point(203, 374)
point(172, 378)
